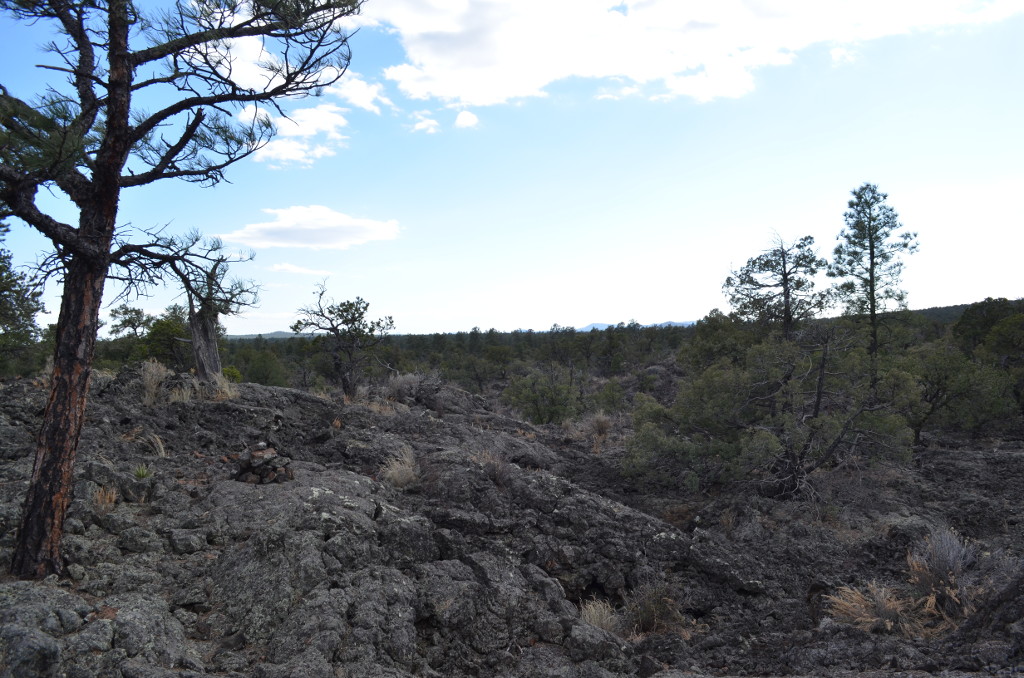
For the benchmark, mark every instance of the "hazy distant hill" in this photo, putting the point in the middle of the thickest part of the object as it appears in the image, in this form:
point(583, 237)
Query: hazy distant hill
point(267, 335)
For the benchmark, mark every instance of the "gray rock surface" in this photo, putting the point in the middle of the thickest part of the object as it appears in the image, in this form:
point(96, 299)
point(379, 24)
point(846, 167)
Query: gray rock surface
point(480, 568)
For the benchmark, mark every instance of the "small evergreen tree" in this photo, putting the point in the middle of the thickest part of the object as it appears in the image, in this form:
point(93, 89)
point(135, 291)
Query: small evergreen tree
point(777, 286)
point(349, 336)
point(130, 322)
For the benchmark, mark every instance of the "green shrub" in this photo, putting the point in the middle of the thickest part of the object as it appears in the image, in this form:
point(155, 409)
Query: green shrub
point(232, 374)
point(546, 396)
point(611, 397)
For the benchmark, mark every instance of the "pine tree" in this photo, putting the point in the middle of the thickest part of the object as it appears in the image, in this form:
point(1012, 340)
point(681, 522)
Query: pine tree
point(868, 258)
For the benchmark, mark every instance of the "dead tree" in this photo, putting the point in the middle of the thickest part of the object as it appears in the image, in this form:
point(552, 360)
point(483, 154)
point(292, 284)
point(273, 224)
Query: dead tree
point(201, 268)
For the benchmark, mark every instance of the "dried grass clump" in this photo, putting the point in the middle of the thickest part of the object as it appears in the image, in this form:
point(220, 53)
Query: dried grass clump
point(132, 435)
point(601, 614)
point(153, 375)
point(401, 470)
point(221, 388)
point(527, 435)
point(597, 427)
point(156, 444)
point(947, 579)
point(495, 467)
point(875, 608)
point(322, 392)
point(600, 425)
point(652, 608)
point(104, 499)
point(940, 574)
point(184, 392)
point(382, 407)
point(403, 387)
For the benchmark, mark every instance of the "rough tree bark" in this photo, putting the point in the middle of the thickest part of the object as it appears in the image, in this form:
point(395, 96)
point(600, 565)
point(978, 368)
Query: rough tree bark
point(203, 326)
point(38, 547)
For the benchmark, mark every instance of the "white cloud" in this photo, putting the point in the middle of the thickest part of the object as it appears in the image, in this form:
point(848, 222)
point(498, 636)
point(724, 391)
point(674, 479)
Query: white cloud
point(361, 94)
point(307, 122)
point(424, 123)
point(292, 268)
point(843, 55)
point(466, 119)
point(617, 89)
point(287, 151)
point(248, 64)
point(314, 227)
point(481, 52)
point(304, 136)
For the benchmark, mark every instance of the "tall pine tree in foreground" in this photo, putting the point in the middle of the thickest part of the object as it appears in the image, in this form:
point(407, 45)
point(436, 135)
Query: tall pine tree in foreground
point(88, 138)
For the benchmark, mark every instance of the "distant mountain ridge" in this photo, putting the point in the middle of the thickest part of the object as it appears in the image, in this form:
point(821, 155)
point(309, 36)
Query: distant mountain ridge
point(265, 335)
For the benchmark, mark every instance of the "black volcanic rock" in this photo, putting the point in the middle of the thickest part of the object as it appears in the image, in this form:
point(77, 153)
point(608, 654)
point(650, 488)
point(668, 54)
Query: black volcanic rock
point(266, 540)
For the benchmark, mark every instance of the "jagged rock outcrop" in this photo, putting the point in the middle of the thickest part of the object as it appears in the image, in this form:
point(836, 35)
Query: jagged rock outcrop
point(259, 535)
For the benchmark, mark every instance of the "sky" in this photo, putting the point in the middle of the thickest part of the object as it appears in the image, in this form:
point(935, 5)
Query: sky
point(517, 164)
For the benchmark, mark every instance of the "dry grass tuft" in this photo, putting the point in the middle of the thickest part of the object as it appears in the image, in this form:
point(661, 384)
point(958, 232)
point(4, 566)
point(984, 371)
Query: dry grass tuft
point(156, 444)
point(601, 614)
point(875, 608)
point(939, 572)
point(404, 387)
point(653, 608)
point(221, 389)
point(153, 375)
point(401, 470)
point(132, 435)
point(104, 499)
point(528, 435)
point(600, 425)
point(947, 578)
point(387, 408)
point(494, 466)
point(186, 391)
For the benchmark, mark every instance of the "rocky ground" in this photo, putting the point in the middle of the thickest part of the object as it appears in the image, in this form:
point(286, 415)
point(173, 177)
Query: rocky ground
point(272, 533)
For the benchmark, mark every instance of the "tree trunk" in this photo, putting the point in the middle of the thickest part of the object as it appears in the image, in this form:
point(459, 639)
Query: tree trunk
point(203, 326)
point(37, 551)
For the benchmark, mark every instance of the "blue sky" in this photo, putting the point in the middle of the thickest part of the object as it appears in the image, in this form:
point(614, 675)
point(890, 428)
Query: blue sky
point(517, 163)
